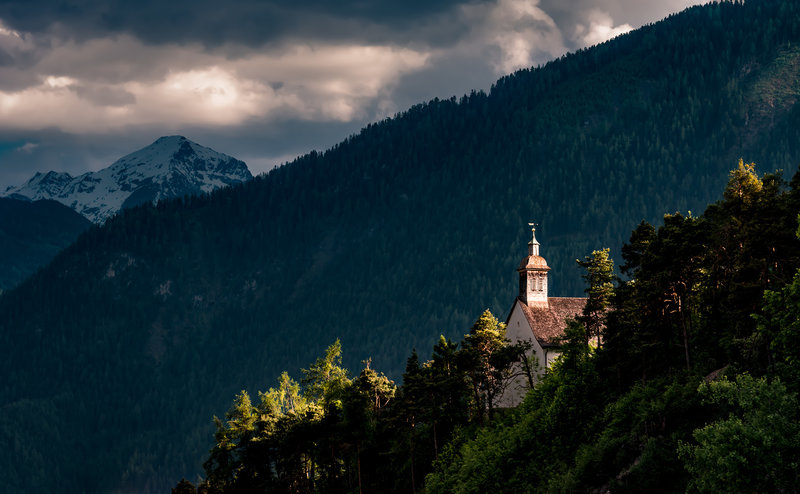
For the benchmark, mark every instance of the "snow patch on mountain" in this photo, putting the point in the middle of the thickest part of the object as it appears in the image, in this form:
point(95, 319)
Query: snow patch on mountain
point(173, 166)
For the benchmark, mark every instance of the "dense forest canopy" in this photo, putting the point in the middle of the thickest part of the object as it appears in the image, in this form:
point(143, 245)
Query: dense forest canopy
point(118, 352)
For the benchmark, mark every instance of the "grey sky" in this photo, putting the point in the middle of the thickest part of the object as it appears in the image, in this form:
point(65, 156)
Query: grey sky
point(84, 82)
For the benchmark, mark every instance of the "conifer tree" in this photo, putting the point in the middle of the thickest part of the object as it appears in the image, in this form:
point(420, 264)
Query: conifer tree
point(599, 277)
point(488, 359)
point(326, 377)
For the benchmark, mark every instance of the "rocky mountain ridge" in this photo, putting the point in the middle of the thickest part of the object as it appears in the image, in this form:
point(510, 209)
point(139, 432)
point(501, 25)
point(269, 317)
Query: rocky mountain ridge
point(173, 166)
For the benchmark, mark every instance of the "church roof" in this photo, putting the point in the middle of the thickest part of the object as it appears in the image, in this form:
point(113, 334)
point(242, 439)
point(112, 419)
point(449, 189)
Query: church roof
point(533, 262)
point(548, 323)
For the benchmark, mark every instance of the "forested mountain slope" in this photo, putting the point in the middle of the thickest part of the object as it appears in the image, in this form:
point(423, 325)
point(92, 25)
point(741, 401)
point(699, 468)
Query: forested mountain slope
point(117, 353)
point(692, 386)
point(32, 233)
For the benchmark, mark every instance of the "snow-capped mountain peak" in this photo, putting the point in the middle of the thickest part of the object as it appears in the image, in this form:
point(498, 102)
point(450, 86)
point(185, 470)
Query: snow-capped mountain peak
point(173, 166)
point(40, 186)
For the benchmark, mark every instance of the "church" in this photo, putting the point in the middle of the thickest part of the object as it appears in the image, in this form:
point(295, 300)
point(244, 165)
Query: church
point(537, 317)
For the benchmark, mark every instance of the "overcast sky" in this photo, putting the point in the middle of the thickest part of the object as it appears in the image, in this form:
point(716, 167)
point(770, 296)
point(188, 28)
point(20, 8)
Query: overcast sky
point(83, 83)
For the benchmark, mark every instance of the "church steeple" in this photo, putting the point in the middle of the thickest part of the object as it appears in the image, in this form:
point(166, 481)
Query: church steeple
point(533, 275)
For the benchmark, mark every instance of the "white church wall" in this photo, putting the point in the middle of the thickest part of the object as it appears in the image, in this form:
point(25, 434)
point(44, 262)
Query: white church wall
point(518, 330)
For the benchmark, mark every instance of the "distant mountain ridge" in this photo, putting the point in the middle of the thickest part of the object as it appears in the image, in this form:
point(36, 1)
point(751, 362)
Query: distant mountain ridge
point(173, 166)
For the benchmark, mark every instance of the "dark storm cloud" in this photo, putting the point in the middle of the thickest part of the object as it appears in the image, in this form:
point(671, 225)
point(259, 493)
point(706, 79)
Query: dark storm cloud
point(212, 22)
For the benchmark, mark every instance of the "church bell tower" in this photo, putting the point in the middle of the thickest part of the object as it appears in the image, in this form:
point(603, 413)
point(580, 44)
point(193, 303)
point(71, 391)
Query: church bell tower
point(533, 275)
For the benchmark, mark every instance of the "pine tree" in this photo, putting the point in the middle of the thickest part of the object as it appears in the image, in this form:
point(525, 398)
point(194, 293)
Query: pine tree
point(599, 277)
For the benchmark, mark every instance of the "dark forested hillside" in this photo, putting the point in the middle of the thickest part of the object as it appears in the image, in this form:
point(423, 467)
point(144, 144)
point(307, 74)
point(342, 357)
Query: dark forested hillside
point(690, 386)
point(31, 234)
point(116, 355)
